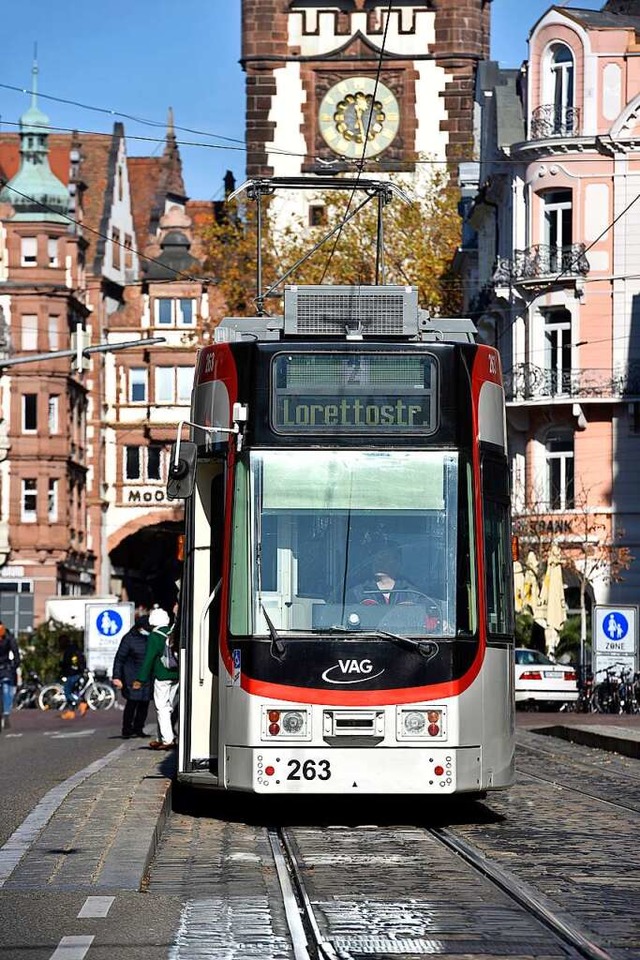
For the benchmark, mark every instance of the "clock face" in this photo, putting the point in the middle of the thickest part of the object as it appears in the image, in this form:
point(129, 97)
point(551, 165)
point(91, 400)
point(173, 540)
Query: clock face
point(353, 122)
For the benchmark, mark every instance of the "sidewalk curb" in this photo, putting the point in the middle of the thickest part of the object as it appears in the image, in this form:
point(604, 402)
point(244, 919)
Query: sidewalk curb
point(127, 863)
point(614, 739)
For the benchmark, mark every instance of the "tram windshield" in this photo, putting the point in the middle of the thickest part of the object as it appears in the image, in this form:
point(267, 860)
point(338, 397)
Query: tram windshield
point(353, 540)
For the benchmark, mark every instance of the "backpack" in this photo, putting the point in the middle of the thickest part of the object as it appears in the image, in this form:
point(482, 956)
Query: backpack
point(168, 658)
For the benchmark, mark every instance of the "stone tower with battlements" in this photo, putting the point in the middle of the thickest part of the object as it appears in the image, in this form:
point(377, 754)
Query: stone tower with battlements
point(329, 82)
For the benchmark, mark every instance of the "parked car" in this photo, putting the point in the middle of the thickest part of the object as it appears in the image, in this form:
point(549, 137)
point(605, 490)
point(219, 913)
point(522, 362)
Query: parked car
point(541, 681)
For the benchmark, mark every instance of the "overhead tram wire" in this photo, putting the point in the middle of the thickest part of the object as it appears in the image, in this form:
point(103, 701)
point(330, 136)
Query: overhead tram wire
point(83, 226)
point(361, 163)
point(117, 113)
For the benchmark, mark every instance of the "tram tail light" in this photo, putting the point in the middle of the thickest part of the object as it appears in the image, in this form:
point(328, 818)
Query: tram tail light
point(415, 723)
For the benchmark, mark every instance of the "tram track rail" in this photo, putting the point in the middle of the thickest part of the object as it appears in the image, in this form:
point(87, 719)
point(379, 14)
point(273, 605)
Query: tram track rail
point(309, 943)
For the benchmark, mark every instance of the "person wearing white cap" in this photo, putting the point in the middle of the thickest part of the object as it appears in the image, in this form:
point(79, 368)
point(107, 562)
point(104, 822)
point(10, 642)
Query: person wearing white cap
point(160, 663)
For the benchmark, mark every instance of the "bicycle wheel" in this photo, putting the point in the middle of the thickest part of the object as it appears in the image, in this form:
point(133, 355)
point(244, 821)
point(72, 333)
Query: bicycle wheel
point(52, 697)
point(100, 696)
point(22, 699)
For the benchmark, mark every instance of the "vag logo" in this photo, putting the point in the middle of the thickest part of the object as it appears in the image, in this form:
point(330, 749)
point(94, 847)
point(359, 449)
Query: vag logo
point(338, 672)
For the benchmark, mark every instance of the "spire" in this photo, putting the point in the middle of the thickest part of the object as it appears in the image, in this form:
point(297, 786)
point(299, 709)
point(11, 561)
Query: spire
point(171, 162)
point(35, 193)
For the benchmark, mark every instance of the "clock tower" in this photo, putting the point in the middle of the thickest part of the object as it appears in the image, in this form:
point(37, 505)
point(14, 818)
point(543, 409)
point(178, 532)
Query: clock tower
point(331, 81)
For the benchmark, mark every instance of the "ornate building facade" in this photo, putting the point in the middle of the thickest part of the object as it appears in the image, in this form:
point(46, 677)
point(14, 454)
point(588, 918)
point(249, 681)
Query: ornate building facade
point(558, 283)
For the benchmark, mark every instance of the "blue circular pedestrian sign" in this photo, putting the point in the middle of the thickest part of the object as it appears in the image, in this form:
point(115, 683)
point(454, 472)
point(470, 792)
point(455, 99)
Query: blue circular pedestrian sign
point(615, 626)
point(109, 623)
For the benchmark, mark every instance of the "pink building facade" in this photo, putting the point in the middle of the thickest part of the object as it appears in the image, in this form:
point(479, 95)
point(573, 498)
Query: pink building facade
point(556, 282)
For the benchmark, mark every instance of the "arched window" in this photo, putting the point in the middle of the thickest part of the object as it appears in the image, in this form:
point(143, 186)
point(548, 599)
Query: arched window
point(561, 83)
point(560, 475)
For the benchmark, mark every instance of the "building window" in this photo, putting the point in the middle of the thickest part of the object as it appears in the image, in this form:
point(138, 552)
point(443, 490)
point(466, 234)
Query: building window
point(165, 384)
point(138, 385)
point(172, 313)
point(561, 66)
point(54, 333)
point(132, 463)
point(558, 229)
point(128, 251)
point(173, 384)
point(54, 414)
point(52, 251)
point(115, 249)
point(29, 412)
point(164, 312)
point(317, 215)
point(185, 382)
point(52, 501)
point(154, 461)
point(29, 340)
point(29, 251)
point(143, 463)
point(29, 505)
point(560, 470)
point(557, 350)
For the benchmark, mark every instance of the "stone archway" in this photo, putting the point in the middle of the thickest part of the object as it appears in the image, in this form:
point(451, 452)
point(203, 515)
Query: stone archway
point(146, 562)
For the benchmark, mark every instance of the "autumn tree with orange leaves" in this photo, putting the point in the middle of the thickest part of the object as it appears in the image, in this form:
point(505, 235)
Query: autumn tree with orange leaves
point(420, 241)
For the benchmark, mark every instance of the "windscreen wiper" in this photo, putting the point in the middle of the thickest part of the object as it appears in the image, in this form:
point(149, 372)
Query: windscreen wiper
point(426, 648)
point(277, 648)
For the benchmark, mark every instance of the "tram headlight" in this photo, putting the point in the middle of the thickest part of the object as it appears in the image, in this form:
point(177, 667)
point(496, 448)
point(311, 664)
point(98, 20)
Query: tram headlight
point(415, 722)
point(292, 722)
point(421, 724)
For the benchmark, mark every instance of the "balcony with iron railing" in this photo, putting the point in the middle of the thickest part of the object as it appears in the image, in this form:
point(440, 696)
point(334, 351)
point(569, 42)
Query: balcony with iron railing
point(528, 382)
point(541, 262)
point(550, 120)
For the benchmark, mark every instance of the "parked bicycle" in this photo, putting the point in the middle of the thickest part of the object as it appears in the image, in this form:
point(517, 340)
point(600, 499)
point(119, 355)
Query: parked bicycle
point(97, 694)
point(26, 695)
point(606, 692)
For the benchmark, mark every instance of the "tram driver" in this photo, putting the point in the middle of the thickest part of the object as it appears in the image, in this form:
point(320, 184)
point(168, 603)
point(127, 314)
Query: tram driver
point(387, 587)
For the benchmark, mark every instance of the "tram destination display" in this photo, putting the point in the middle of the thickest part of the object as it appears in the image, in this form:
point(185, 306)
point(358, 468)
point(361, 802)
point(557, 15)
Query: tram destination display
point(348, 393)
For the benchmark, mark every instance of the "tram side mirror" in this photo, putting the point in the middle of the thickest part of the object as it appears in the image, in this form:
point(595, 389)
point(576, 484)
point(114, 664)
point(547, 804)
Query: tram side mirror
point(182, 472)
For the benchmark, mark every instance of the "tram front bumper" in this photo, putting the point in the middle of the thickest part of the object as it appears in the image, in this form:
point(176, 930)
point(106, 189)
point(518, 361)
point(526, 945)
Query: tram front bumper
point(317, 770)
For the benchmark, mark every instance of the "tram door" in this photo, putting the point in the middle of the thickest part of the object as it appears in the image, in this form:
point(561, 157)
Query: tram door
point(199, 695)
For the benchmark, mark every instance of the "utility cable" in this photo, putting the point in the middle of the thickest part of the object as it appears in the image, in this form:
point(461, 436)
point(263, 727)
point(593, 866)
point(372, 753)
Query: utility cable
point(83, 226)
point(361, 163)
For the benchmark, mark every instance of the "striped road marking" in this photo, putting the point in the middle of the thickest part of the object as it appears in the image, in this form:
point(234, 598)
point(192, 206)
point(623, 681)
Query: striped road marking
point(21, 839)
point(72, 948)
point(95, 907)
point(70, 736)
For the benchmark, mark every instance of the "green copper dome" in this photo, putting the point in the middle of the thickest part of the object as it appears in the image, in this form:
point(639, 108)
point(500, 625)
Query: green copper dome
point(35, 192)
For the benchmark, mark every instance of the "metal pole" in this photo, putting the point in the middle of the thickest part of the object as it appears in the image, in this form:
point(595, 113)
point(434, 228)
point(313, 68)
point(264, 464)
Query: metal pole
point(380, 241)
point(259, 297)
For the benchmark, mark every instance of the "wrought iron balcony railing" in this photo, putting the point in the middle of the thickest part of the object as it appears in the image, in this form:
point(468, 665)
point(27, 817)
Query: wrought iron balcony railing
point(526, 381)
point(542, 261)
point(549, 120)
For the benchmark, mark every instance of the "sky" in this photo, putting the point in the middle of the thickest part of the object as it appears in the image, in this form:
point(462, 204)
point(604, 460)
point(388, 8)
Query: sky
point(131, 60)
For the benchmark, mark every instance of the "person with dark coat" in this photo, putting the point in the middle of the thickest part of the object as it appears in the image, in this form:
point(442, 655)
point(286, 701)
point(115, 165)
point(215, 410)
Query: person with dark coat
point(126, 666)
point(9, 663)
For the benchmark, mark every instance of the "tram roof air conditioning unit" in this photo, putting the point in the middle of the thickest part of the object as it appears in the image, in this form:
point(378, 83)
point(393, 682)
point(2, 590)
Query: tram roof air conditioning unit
point(380, 311)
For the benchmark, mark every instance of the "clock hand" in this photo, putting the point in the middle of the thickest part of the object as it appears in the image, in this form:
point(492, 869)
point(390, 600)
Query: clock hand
point(359, 111)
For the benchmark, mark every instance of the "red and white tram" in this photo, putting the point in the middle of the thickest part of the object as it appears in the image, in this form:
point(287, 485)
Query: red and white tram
point(346, 611)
